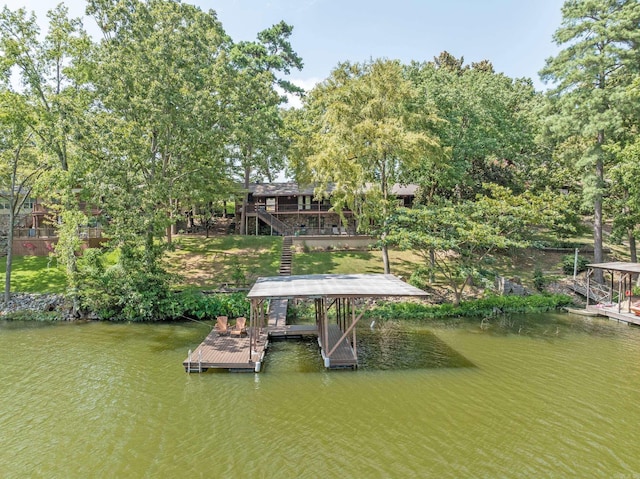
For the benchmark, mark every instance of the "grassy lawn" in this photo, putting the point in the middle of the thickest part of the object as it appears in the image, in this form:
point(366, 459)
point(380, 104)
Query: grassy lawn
point(35, 274)
point(403, 263)
point(208, 263)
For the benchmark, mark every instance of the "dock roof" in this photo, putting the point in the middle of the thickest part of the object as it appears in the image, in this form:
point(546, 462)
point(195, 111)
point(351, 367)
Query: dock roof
point(617, 266)
point(333, 286)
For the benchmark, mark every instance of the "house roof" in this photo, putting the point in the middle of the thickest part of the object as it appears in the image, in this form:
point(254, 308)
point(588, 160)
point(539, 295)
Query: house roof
point(404, 190)
point(293, 189)
point(280, 189)
point(332, 286)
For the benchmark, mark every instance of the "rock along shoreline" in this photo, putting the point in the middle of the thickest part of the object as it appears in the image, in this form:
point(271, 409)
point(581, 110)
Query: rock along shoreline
point(34, 303)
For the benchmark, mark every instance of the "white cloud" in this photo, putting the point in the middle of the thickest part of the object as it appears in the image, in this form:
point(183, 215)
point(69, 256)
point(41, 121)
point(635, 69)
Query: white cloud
point(307, 84)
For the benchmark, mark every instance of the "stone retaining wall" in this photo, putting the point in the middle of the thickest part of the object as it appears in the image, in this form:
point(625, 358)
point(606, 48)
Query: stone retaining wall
point(336, 242)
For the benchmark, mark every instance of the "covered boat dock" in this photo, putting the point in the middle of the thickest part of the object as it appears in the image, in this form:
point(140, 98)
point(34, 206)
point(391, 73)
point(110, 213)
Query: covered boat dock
point(340, 301)
point(619, 303)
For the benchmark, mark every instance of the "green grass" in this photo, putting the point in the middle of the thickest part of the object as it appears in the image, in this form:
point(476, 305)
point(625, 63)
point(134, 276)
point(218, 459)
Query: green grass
point(403, 263)
point(35, 274)
point(207, 263)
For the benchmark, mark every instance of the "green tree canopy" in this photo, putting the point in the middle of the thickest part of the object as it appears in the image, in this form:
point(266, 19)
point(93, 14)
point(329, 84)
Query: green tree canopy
point(456, 239)
point(591, 76)
point(368, 131)
point(489, 126)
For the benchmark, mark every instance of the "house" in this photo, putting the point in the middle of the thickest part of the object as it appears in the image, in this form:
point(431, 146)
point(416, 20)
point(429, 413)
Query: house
point(291, 209)
point(35, 232)
point(23, 216)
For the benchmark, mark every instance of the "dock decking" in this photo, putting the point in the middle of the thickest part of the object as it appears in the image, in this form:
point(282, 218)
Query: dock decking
point(234, 353)
point(226, 352)
point(335, 299)
point(344, 356)
point(612, 312)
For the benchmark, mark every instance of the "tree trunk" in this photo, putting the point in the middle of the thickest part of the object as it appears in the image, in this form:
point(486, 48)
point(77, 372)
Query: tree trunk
point(245, 201)
point(7, 275)
point(171, 229)
point(385, 216)
point(597, 214)
point(457, 295)
point(432, 264)
point(385, 257)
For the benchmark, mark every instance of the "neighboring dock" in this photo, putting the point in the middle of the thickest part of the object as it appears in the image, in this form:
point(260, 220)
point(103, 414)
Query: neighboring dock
point(613, 312)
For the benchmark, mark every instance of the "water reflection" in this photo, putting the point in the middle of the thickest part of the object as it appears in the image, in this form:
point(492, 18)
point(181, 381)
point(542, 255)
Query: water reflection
point(528, 396)
point(390, 346)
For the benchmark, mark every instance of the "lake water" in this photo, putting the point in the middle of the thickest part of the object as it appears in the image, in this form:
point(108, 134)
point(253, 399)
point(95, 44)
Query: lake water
point(535, 396)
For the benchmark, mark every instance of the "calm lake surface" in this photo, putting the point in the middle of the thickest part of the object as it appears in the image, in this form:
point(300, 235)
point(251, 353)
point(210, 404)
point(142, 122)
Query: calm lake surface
point(536, 396)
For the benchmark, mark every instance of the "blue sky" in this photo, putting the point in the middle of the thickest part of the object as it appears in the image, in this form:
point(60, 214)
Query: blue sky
point(515, 35)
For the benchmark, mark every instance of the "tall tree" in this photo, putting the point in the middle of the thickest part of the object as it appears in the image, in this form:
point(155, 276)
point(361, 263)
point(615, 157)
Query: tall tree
point(489, 126)
point(368, 131)
point(156, 135)
point(19, 167)
point(256, 143)
point(52, 75)
point(591, 75)
point(162, 79)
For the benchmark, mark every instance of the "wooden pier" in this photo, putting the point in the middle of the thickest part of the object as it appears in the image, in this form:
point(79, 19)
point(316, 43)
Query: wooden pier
point(618, 303)
point(336, 298)
point(227, 352)
point(613, 312)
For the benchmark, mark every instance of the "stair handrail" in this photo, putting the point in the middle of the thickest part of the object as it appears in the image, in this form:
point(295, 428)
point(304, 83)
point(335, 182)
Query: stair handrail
point(276, 223)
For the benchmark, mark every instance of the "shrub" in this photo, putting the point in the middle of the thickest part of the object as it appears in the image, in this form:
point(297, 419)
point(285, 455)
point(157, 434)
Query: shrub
point(539, 280)
point(420, 277)
point(481, 307)
point(194, 304)
point(568, 262)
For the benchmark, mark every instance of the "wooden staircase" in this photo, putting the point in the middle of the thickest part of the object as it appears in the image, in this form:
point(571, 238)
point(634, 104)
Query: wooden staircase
point(285, 258)
point(277, 225)
point(598, 293)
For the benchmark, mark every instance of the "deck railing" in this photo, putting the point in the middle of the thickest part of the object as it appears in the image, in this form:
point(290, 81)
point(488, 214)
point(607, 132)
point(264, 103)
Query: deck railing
point(323, 231)
point(274, 222)
point(51, 232)
point(254, 207)
point(597, 292)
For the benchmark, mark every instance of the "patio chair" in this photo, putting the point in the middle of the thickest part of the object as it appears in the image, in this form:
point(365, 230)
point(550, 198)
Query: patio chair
point(240, 328)
point(222, 326)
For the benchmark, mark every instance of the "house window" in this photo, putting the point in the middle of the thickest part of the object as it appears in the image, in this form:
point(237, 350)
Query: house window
point(271, 204)
point(304, 202)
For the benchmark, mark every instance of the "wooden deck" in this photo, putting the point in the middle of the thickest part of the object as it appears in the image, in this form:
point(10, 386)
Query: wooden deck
point(226, 352)
point(343, 356)
point(234, 353)
point(611, 312)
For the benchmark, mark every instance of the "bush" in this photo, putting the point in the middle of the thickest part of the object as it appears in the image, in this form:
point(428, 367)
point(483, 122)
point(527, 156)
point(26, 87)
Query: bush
point(130, 290)
point(568, 264)
point(420, 277)
point(539, 280)
point(194, 304)
point(481, 307)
